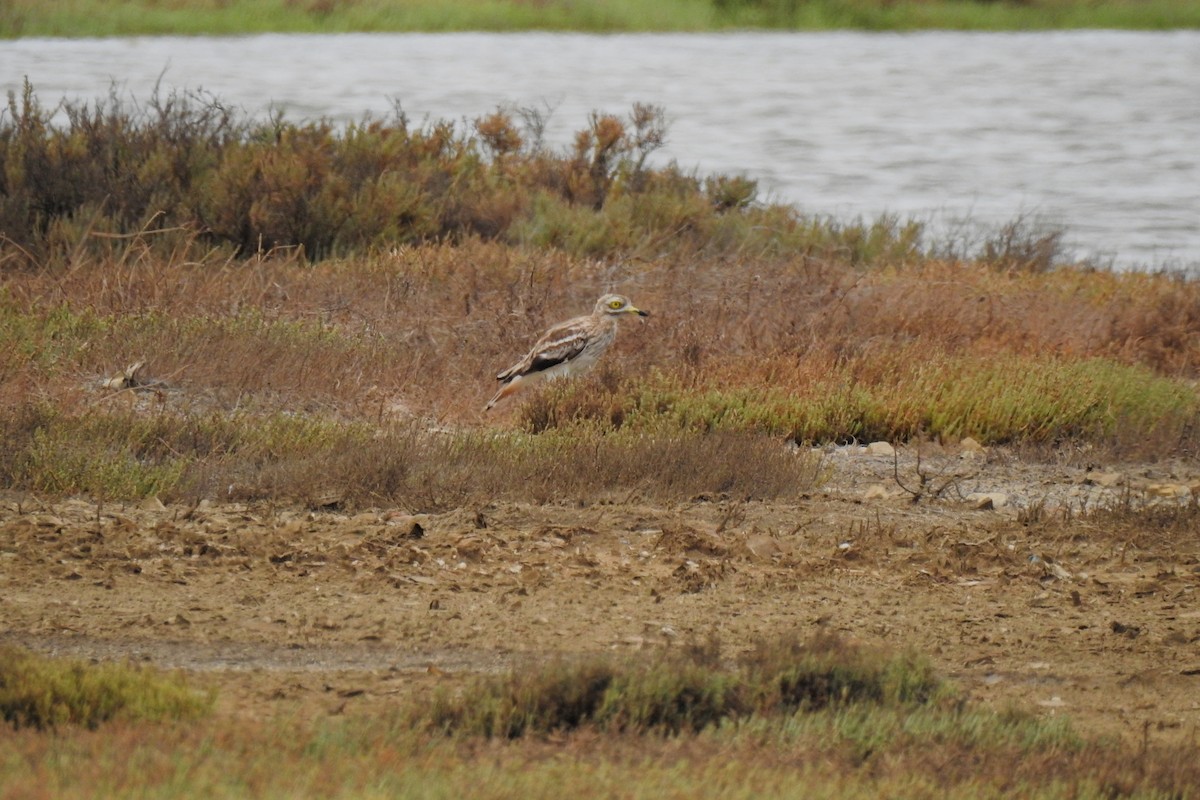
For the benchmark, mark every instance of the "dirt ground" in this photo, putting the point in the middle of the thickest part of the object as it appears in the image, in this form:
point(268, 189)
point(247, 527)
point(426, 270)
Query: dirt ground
point(995, 571)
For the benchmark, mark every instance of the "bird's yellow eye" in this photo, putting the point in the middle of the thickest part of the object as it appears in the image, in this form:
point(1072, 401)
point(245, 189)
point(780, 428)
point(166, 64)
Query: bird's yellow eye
point(615, 304)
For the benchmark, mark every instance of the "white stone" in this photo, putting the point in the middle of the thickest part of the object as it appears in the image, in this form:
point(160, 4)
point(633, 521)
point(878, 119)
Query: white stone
point(1106, 479)
point(1167, 490)
point(987, 500)
point(876, 491)
point(970, 445)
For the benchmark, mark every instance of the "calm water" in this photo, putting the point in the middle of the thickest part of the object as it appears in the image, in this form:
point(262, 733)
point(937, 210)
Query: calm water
point(1096, 131)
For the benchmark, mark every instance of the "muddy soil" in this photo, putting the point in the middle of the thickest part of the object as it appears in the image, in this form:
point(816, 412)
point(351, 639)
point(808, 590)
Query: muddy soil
point(999, 569)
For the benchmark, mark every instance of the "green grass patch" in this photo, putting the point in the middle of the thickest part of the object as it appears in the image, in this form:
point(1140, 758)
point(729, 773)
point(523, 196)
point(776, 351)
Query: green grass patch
point(682, 691)
point(975, 15)
point(231, 17)
point(1008, 398)
point(836, 719)
point(41, 692)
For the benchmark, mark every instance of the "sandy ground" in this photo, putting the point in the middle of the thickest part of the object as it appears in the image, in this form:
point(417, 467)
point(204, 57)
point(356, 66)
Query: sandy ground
point(993, 572)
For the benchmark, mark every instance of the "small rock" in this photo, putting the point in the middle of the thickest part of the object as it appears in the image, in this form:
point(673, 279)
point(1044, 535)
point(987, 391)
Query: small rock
point(327, 499)
point(880, 449)
point(1167, 490)
point(152, 504)
point(763, 547)
point(471, 548)
point(411, 526)
point(1128, 631)
point(128, 379)
point(876, 492)
point(1055, 571)
point(982, 501)
point(971, 446)
point(363, 520)
point(1106, 479)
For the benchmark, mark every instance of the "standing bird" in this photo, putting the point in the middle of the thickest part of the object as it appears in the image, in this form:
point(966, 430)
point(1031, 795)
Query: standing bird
point(568, 348)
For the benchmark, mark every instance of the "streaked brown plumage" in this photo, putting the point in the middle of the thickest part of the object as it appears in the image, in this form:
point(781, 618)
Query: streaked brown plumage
point(568, 348)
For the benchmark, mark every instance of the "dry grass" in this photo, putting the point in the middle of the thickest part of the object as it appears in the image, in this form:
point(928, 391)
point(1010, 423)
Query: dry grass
point(318, 461)
point(833, 718)
point(259, 368)
point(355, 355)
point(360, 379)
point(431, 321)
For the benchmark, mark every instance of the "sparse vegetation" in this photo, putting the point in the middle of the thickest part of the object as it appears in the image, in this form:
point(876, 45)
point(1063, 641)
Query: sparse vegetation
point(684, 692)
point(276, 339)
point(42, 693)
point(842, 721)
point(122, 456)
point(194, 307)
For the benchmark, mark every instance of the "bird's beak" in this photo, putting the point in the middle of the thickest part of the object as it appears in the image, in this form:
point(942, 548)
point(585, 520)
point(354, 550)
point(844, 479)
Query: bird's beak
point(638, 311)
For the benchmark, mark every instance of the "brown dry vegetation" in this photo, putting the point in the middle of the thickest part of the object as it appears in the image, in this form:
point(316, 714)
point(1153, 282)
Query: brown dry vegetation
point(294, 405)
point(417, 332)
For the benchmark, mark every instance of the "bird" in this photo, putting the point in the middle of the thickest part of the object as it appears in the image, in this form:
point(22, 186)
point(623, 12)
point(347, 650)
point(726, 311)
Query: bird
point(568, 348)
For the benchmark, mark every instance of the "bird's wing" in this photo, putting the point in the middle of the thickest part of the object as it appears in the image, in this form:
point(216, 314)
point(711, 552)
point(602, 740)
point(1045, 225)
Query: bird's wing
point(561, 343)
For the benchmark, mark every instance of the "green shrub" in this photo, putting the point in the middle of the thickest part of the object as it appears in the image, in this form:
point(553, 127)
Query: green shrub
point(689, 690)
point(890, 396)
point(43, 692)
